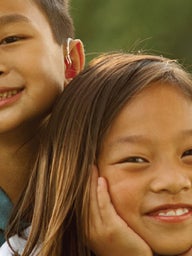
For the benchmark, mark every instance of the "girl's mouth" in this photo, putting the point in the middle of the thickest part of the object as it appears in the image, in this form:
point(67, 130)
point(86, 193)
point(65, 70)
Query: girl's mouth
point(174, 212)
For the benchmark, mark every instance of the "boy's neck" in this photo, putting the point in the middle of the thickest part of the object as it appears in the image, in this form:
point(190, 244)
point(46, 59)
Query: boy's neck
point(18, 152)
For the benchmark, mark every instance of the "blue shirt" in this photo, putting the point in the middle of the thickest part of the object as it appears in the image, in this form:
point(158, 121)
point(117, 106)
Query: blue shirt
point(5, 210)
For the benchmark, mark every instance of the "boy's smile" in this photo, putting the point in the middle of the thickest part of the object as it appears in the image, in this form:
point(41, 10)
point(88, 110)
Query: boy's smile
point(32, 70)
point(14, 88)
point(146, 157)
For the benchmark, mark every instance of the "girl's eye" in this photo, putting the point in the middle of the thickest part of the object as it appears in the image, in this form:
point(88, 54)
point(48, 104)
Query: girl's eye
point(187, 153)
point(135, 159)
point(11, 39)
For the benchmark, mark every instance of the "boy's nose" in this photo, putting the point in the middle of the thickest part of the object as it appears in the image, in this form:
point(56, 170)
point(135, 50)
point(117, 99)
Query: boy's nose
point(2, 69)
point(3, 66)
point(171, 180)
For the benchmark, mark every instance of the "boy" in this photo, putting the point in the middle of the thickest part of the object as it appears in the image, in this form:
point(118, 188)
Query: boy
point(34, 68)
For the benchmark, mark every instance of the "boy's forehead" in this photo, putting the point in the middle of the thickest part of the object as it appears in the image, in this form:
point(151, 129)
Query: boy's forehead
point(27, 11)
point(19, 7)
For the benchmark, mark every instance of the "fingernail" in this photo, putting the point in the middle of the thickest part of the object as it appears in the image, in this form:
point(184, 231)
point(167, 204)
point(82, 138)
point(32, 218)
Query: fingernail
point(100, 181)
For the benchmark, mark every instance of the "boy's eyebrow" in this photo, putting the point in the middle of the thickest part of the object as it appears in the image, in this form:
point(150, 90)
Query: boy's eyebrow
point(187, 132)
point(13, 18)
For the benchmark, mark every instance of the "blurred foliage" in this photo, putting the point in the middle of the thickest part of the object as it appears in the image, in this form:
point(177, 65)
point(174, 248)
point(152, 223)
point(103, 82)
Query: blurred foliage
point(161, 27)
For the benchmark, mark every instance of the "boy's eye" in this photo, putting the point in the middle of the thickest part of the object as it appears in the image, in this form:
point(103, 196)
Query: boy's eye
point(11, 39)
point(187, 157)
point(187, 153)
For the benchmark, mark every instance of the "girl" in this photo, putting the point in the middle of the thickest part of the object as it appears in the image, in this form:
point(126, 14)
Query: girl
point(130, 117)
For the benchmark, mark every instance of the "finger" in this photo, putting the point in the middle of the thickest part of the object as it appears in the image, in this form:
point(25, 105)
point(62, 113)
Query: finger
point(107, 211)
point(95, 217)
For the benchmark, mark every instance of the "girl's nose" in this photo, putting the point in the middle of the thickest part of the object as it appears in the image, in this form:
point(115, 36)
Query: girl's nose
point(171, 180)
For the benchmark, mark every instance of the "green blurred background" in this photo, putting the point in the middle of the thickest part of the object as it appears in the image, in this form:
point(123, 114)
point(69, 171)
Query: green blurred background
point(160, 27)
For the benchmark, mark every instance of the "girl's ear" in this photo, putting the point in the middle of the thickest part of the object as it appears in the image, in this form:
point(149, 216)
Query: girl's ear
point(74, 58)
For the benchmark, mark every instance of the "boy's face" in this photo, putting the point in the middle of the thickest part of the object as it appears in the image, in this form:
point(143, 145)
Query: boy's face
point(146, 157)
point(32, 70)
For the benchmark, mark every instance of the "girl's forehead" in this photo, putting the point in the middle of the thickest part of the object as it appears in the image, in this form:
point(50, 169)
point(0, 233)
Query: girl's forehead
point(158, 109)
point(160, 89)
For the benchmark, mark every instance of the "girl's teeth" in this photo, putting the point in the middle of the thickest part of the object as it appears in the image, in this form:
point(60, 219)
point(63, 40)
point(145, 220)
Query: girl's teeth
point(176, 212)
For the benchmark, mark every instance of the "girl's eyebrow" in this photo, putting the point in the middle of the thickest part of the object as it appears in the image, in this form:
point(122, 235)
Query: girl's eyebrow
point(13, 18)
point(130, 139)
point(143, 139)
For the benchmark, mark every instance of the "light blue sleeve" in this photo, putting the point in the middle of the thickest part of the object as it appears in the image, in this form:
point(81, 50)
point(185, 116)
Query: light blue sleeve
point(17, 243)
point(5, 250)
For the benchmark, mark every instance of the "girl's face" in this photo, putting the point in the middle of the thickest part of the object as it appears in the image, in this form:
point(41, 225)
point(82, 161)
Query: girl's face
point(146, 157)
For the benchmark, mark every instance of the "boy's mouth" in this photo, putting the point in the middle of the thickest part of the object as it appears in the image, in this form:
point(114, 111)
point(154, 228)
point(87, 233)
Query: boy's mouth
point(8, 94)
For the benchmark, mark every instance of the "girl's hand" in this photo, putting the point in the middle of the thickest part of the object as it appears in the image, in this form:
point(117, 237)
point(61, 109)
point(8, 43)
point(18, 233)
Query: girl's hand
point(109, 235)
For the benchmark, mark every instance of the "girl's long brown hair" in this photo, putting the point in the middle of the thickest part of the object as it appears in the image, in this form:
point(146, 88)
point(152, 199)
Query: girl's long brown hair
point(56, 202)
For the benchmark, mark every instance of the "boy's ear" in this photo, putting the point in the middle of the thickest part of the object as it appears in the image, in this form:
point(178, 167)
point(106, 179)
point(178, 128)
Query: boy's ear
point(74, 58)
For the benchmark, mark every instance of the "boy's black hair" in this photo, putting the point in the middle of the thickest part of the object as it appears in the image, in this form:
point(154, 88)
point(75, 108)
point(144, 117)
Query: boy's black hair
point(57, 12)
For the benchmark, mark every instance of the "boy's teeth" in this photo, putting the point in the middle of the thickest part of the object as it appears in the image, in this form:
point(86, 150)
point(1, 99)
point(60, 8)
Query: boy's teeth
point(8, 94)
point(176, 212)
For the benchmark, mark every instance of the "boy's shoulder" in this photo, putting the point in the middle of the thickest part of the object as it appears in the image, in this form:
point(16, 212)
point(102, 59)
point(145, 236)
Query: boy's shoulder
point(5, 210)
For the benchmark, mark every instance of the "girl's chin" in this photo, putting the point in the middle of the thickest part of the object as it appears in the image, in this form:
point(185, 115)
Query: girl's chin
point(186, 251)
